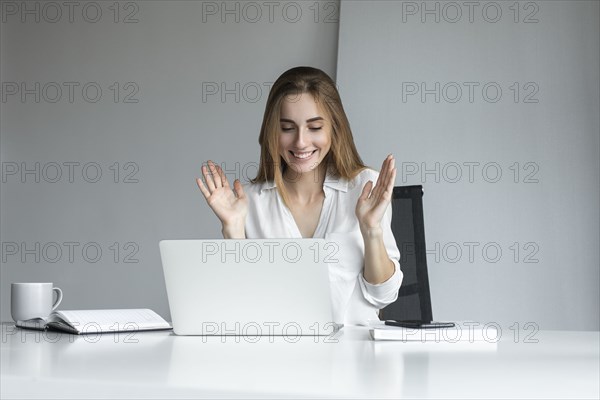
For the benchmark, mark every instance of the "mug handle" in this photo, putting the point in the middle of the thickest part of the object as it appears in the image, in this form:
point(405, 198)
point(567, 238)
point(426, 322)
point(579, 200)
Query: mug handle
point(59, 296)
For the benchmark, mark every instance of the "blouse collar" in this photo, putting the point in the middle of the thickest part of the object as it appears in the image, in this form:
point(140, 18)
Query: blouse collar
point(331, 181)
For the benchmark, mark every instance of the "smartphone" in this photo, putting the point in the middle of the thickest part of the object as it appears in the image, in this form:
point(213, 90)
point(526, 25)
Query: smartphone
point(420, 324)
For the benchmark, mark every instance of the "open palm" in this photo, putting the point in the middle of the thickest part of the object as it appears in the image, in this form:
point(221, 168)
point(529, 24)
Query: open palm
point(230, 206)
point(373, 201)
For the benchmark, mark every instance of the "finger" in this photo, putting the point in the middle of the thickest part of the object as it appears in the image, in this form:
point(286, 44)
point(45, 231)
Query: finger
point(223, 177)
point(392, 174)
point(385, 168)
point(239, 189)
point(381, 178)
point(365, 192)
point(381, 184)
point(208, 179)
point(215, 174)
point(386, 191)
point(390, 186)
point(389, 177)
point(203, 188)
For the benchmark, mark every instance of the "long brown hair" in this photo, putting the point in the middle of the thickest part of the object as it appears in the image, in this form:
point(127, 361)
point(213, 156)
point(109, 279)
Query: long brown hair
point(342, 160)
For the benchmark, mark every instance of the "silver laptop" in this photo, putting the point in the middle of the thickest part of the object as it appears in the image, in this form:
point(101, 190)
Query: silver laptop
point(248, 287)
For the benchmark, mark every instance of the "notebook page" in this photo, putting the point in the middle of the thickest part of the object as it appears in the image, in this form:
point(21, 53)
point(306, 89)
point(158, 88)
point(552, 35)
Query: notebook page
point(113, 320)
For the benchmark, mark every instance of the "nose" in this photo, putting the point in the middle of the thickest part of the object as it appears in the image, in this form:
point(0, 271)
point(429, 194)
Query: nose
point(301, 138)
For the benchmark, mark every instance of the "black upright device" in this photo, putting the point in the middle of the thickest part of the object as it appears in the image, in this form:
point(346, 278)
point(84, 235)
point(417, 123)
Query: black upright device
point(420, 324)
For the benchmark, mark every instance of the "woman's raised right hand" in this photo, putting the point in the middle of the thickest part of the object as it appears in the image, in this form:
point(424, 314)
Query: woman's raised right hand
point(230, 206)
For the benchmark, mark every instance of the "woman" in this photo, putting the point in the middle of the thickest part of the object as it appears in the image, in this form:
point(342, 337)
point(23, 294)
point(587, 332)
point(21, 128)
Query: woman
point(311, 182)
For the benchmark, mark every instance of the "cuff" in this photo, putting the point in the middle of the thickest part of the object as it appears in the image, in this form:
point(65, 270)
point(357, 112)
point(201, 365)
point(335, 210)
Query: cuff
point(382, 294)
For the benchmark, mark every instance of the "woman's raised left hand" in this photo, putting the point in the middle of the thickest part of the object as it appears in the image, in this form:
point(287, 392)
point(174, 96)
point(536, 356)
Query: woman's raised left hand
point(373, 201)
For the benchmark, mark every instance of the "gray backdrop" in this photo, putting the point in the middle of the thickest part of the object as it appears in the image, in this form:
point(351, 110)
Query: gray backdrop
point(493, 108)
point(192, 79)
point(108, 112)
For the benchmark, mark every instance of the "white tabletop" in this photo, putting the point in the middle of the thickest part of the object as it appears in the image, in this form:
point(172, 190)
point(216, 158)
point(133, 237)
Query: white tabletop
point(160, 364)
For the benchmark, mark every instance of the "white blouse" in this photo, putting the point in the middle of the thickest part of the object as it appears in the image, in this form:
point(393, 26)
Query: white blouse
point(355, 301)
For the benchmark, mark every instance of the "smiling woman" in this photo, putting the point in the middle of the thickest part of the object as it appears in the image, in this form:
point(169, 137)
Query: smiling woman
point(311, 182)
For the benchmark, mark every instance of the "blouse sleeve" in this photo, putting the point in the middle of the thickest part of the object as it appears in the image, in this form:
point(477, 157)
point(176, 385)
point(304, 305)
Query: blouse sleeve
point(382, 294)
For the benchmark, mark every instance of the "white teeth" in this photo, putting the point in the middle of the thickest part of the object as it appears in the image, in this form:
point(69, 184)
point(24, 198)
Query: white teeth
point(303, 155)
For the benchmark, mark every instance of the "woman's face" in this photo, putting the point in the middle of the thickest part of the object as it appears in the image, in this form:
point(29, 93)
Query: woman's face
point(305, 133)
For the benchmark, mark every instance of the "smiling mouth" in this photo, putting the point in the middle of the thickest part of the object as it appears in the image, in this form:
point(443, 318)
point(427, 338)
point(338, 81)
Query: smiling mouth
point(302, 155)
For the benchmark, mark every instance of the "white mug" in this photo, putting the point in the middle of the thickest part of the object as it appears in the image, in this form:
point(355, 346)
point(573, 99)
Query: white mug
point(33, 300)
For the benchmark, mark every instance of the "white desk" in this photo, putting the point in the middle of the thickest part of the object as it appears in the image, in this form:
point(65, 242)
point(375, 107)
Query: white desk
point(159, 365)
